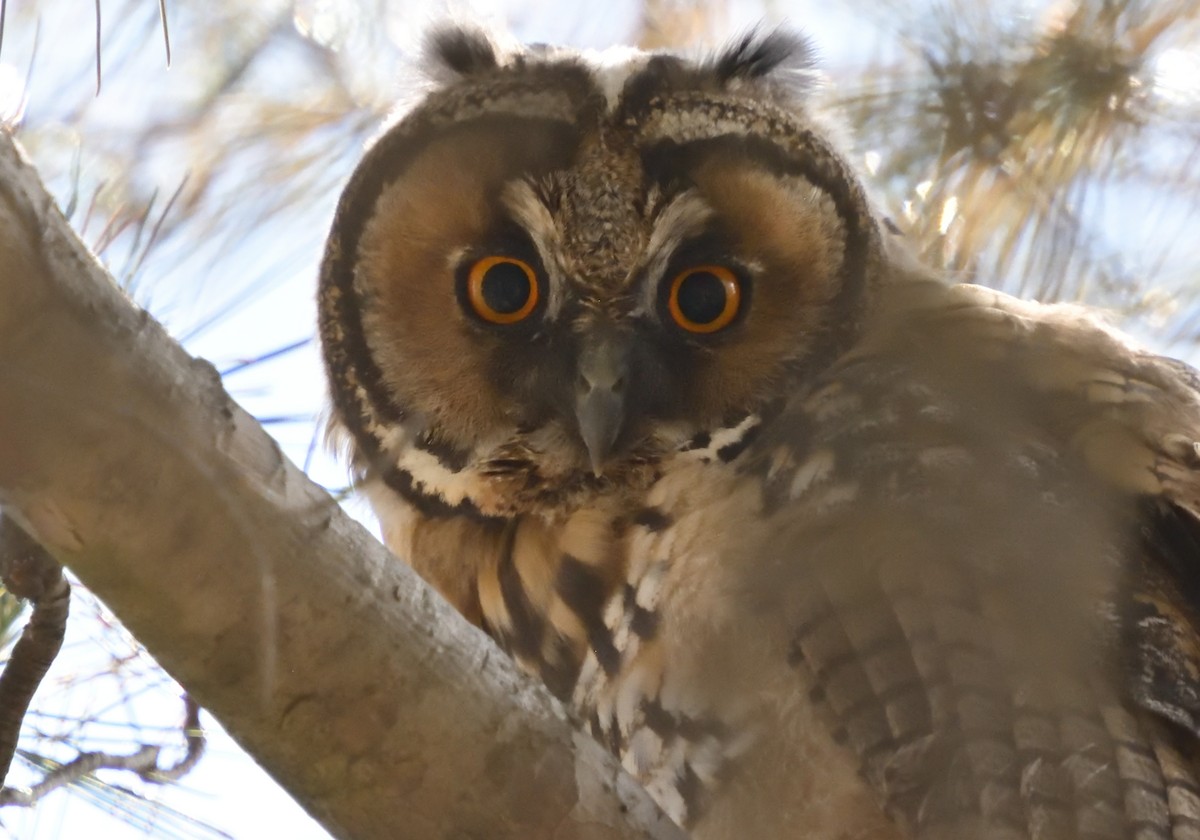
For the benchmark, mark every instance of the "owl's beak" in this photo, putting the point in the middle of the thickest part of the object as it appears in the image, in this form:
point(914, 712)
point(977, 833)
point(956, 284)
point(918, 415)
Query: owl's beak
point(600, 397)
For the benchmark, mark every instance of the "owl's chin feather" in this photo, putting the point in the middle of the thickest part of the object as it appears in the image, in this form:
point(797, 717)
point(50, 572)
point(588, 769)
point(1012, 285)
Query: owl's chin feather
point(545, 473)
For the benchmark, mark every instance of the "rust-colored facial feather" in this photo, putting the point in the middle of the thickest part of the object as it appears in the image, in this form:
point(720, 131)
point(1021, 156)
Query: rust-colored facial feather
point(447, 208)
point(788, 231)
point(424, 231)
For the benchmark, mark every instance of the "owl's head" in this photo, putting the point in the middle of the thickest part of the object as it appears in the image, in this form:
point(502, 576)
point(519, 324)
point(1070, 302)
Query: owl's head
point(557, 269)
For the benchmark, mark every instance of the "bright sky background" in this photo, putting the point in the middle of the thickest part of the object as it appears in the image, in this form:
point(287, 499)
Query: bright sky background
point(199, 293)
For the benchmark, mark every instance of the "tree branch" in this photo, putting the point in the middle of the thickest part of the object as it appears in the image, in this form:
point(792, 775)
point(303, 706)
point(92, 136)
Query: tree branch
point(143, 761)
point(362, 692)
point(28, 572)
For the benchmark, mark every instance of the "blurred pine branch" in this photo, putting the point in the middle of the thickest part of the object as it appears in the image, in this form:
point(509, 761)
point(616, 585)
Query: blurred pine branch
point(1004, 139)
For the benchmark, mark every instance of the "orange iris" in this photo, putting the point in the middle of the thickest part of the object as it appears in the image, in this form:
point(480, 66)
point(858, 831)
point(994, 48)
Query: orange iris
point(502, 290)
point(704, 298)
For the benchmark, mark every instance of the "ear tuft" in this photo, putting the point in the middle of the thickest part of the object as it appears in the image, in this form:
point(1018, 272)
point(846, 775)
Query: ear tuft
point(756, 54)
point(462, 51)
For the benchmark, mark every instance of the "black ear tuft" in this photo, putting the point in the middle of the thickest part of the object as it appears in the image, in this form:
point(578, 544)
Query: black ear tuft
point(462, 51)
point(757, 54)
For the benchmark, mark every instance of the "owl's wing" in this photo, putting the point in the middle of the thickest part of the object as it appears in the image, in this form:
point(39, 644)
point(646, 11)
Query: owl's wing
point(986, 552)
point(1162, 610)
point(1056, 636)
point(1133, 419)
point(1162, 614)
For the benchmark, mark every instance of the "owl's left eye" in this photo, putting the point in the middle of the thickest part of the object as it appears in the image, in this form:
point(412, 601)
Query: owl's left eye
point(502, 289)
point(704, 298)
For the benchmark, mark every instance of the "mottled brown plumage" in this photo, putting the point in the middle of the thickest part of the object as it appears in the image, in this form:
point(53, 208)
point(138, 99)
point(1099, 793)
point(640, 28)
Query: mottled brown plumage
point(818, 544)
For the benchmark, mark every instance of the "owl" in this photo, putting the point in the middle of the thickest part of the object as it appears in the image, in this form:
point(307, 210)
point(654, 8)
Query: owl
point(817, 543)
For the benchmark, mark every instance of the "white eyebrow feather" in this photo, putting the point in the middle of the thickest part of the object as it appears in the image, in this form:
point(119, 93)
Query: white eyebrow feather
point(535, 218)
point(683, 217)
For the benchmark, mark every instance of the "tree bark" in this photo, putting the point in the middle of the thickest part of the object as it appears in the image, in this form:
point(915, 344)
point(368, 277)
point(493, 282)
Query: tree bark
point(362, 692)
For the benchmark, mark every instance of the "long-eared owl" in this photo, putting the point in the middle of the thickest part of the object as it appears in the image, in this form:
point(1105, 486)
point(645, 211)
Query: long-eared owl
point(818, 544)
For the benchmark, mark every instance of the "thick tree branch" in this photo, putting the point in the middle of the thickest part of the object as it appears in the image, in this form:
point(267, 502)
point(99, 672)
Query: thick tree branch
point(360, 691)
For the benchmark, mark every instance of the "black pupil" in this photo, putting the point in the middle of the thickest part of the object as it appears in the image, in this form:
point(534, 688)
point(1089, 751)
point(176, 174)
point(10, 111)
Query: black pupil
point(505, 288)
point(701, 297)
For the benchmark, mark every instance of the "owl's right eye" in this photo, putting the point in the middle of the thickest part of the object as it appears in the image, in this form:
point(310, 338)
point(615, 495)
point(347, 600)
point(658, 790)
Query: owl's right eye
point(502, 289)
